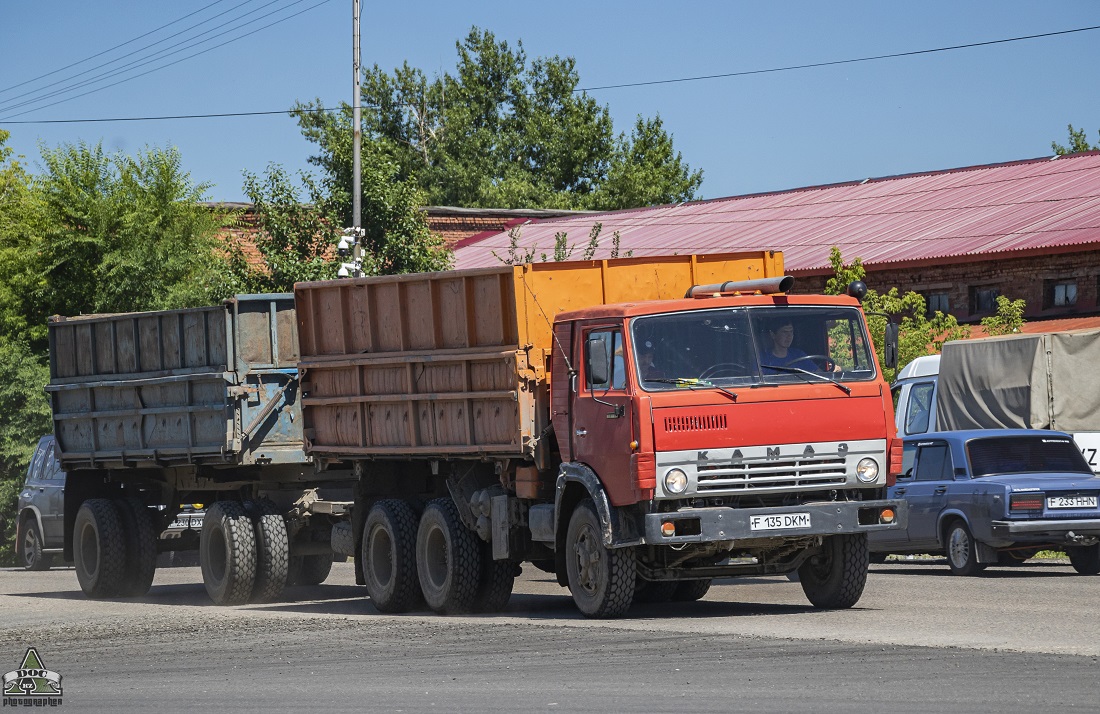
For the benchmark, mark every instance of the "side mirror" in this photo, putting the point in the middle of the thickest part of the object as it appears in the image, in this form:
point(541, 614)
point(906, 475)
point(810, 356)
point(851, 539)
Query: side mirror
point(596, 361)
point(890, 347)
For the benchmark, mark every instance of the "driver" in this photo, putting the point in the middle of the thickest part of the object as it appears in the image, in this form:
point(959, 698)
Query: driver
point(781, 353)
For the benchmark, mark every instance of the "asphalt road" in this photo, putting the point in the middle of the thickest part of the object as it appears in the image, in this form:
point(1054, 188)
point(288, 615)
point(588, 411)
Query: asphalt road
point(1022, 639)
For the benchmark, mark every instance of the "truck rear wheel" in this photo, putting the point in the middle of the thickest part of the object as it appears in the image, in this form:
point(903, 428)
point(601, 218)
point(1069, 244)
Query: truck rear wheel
point(389, 556)
point(835, 577)
point(99, 552)
point(498, 577)
point(1085, 559)
point(140, 536)
point(601, 579)
point(272, 550)
point(448, 559)
point(227, 553)
point(654, 590)
point(691, 590)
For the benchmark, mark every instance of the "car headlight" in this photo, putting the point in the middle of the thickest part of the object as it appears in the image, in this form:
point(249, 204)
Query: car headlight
point(867, 470)
point(676, 481)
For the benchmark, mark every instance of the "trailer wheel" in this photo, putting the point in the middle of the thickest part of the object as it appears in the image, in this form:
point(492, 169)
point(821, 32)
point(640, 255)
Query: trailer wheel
point(601, 579)
point(691, 590)
point(140, 536)
point(1085, 559)
point(498, 577)
point(655, 591)
point(448, 559)
point(30, 547)
point(389, 556)
point(272, 550)
point(227, 553)
point(98, 550)
point(835, 578)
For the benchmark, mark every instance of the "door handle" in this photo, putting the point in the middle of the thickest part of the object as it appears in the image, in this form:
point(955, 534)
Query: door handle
point(899, 492)
point(581, 432)
point(941, 490)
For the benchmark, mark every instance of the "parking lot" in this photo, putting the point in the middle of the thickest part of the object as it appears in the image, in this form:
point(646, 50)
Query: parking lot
point(1016, 639)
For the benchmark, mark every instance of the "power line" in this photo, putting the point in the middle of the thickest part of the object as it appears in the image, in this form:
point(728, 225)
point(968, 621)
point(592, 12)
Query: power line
point(580, 89)
point(110, 49)
point(182, 59)
point(836, 62)
point(149, 59)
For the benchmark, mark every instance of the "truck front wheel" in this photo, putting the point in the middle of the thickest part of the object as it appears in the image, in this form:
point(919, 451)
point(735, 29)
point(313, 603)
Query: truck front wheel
point(834, 578)
point(99, 552)
point(389, 556)
point(227, 553)
point(601, 579)
point(448, 559)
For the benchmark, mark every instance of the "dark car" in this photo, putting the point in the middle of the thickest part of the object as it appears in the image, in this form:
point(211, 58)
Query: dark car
point(39, 531)
point(995, 495)
point(40, 528)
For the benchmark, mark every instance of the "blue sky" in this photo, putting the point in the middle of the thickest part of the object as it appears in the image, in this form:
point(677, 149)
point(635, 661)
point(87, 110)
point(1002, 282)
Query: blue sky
point(749, 134)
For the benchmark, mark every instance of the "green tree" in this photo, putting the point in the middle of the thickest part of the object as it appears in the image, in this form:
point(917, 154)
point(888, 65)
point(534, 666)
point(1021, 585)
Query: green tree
point(1008, 318)
point(1077, 142)
point(503, 131)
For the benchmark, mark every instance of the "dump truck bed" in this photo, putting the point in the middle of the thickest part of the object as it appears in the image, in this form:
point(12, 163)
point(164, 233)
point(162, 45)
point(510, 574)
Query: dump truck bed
point(455, 364)
point(211, 385)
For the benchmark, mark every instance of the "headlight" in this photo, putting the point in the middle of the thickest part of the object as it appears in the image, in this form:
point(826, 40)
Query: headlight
point(676, 481)
point(867, 470)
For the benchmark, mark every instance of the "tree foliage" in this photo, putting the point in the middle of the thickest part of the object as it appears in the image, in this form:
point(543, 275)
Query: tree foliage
point(1078, 141)
point(503, 131)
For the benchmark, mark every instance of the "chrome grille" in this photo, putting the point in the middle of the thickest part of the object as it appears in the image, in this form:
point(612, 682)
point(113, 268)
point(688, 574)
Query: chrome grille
point(749, 476)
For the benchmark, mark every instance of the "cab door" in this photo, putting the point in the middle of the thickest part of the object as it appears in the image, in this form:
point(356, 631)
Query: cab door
point(602, 423)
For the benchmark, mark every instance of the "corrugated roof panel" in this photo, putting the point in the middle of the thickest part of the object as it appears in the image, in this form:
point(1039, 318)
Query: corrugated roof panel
point(1034, 204)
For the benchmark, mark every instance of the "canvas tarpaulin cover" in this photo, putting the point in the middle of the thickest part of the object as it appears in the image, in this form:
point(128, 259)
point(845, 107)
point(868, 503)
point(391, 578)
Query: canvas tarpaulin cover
point(1042, 381)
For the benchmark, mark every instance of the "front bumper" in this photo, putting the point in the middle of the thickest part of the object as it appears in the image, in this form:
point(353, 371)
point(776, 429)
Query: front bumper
point(1045, 530)
point(708, 525)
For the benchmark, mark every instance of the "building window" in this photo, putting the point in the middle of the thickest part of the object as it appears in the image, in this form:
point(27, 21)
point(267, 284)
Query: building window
point(937, 302)
point(983, 298)
point(1059, 293)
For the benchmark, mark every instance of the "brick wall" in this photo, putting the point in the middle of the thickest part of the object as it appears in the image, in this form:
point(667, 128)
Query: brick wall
point(1032, 278)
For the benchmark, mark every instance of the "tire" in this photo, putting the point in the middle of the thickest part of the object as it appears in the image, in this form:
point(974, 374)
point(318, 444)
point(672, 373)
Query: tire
point(496, 581)
point(1085, 559)
point(834, 579)
point(878, 558)
point(448, 559)
point(389, 556)
point(99, 552)
point(140, 536)
point(691, 590)
point(272, 550)
point(654, 590)
point(601, 580)
point(30, 548)
point(227, 553)
point(961, 550)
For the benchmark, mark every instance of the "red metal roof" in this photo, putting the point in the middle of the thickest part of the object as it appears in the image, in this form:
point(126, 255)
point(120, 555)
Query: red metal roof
point(1050, 203)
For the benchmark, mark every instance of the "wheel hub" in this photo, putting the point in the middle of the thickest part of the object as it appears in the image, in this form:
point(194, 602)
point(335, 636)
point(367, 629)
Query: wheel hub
point(587, 552)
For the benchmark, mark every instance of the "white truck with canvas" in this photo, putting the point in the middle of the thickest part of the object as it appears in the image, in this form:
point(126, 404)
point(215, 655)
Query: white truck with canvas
point(1024, 381)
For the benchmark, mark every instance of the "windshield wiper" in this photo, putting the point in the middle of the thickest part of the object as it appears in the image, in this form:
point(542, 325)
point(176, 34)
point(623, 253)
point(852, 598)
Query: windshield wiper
point(692, 383)
point(798, 370)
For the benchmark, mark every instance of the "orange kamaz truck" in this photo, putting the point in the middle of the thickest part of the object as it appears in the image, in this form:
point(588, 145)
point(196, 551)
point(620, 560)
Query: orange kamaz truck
point(637, 427)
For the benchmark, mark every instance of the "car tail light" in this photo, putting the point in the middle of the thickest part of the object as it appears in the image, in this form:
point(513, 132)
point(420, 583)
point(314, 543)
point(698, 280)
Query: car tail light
point(1026, 502)
point(894, 471)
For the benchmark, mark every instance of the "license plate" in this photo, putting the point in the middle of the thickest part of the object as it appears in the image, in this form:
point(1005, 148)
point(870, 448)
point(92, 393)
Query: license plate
point(183, 522)
point(1071, 502)
point(779, 521)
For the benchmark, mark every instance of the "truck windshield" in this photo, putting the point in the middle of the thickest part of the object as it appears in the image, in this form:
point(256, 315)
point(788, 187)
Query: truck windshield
point(1025, 454)
point(751, 345)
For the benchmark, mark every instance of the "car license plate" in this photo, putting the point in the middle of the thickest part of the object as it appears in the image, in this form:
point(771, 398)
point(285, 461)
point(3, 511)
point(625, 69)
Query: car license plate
point(779, 521)
point(1071, 502)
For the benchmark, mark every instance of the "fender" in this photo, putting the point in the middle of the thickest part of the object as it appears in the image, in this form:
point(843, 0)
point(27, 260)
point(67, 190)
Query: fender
point(37, 515)
point(619, 527)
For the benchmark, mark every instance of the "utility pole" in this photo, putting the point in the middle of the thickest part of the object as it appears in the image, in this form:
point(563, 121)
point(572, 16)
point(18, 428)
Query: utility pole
point(353, 237)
